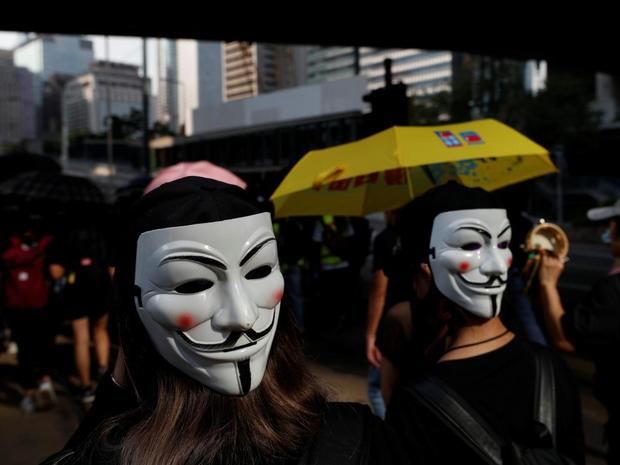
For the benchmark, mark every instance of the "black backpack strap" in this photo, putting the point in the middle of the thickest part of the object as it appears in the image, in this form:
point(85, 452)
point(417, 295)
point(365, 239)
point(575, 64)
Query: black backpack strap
point(544, 395)
point(460, 418)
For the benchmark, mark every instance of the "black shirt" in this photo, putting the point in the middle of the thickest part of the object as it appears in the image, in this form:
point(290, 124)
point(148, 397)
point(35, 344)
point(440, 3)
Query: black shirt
point(409, 337)
point(500, 386)
point(384, 259)
point(594, 327)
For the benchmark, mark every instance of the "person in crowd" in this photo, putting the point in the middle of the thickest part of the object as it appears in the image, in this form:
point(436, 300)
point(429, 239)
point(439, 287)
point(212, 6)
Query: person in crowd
point(212, 370)
point(26, 290)
point(81, 260)
point(334, 243)
point(592, 327)
point(457, 240)
point(387, 288)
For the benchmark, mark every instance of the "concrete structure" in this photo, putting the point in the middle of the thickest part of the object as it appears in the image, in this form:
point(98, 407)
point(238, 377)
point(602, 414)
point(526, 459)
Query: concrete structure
point(316, 100)
point(46, 54)
point(193, 75)
point(605, 104)
point(85, 97)
point(169, 86)
point(16, 104)
point(253, 69)
point(423, 72)
point(190, 75)
point(535, 79)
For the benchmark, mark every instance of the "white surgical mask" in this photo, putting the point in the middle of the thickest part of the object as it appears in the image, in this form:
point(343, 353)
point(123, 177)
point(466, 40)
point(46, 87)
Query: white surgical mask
point(209, 298)
point(469, 258)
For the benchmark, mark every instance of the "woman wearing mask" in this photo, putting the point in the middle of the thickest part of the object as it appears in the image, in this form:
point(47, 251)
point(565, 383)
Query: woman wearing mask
point(457, 240)
point(214, 372)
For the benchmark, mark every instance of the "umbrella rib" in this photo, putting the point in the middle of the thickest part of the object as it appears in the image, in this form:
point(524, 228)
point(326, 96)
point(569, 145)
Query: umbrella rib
point(366, 198)
point(401, 164)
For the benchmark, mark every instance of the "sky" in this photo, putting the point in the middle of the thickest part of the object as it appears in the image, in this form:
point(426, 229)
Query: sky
point(122, 49)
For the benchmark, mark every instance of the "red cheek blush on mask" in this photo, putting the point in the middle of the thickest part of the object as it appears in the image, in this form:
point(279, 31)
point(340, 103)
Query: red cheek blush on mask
point(185, 321)
point(277, 296)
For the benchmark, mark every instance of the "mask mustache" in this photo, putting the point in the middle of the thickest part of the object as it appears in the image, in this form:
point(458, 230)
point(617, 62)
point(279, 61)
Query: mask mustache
point(492, 279)
point(230, 343)
point(488, 283)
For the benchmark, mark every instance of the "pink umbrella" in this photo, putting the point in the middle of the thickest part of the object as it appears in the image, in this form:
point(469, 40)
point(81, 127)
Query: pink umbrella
point(201, 168)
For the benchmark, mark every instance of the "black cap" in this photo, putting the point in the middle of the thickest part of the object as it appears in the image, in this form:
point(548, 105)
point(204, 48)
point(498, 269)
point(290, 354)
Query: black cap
point(415, 220)
point(190, 200)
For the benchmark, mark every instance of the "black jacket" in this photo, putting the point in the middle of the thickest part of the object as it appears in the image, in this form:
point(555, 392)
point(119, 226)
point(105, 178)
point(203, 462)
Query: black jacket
point(594, 327)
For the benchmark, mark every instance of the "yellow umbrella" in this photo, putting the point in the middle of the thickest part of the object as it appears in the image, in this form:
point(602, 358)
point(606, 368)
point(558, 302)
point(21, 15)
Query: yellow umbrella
point(388, 169)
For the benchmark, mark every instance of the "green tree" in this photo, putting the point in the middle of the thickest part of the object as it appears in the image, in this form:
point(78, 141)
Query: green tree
point(560, 114)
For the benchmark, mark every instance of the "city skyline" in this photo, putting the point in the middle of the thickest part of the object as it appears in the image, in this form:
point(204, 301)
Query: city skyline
point(123, 49)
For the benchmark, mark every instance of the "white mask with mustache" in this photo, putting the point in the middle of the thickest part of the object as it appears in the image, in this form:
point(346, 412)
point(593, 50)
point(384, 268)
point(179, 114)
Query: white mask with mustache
point(209, 297)
point(469, 258)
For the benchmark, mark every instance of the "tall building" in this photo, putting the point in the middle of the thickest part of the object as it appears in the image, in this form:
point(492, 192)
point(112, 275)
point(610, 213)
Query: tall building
point(85, 99)
point(46, 54)
point(16, 105)
point(240, 70)
point(252, 69)
point(168, 85)
point(423, 72)
point(199, 68)
point(605, 103)
point(494, 81)
point(51, 107)
point(195, 74)
point(189, 75)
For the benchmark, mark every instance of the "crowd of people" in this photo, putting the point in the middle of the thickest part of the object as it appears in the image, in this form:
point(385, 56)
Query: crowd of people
point(210, 308)
point(55, 281)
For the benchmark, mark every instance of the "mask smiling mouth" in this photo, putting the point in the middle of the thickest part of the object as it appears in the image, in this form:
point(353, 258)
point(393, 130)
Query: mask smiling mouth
point(230, 344)
point(487, 284)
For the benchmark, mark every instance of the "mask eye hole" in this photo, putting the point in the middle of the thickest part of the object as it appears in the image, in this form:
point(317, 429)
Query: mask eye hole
point(503, 245)
point(258, 273)
point(192, 287)
point(471, 246)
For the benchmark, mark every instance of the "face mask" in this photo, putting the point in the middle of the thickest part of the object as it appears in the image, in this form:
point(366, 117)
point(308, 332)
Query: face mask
point(606, 237)
point(469, 258)
point(209, 297)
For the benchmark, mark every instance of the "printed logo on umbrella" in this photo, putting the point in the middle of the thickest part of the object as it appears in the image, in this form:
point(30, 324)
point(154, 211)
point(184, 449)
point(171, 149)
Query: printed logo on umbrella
point(393, 177)
point(472, 138)
point(448, 138)
point(451, 140)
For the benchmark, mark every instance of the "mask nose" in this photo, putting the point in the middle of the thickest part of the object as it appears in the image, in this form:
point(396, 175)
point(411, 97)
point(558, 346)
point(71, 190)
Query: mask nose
point(239, 312)
point(494, 264)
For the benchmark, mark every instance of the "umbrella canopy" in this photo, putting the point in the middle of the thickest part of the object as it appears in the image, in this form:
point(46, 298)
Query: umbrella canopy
point(53, 188)
point(201, 168)
point(386, 170)
point(56, 199)
point(17, 163)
